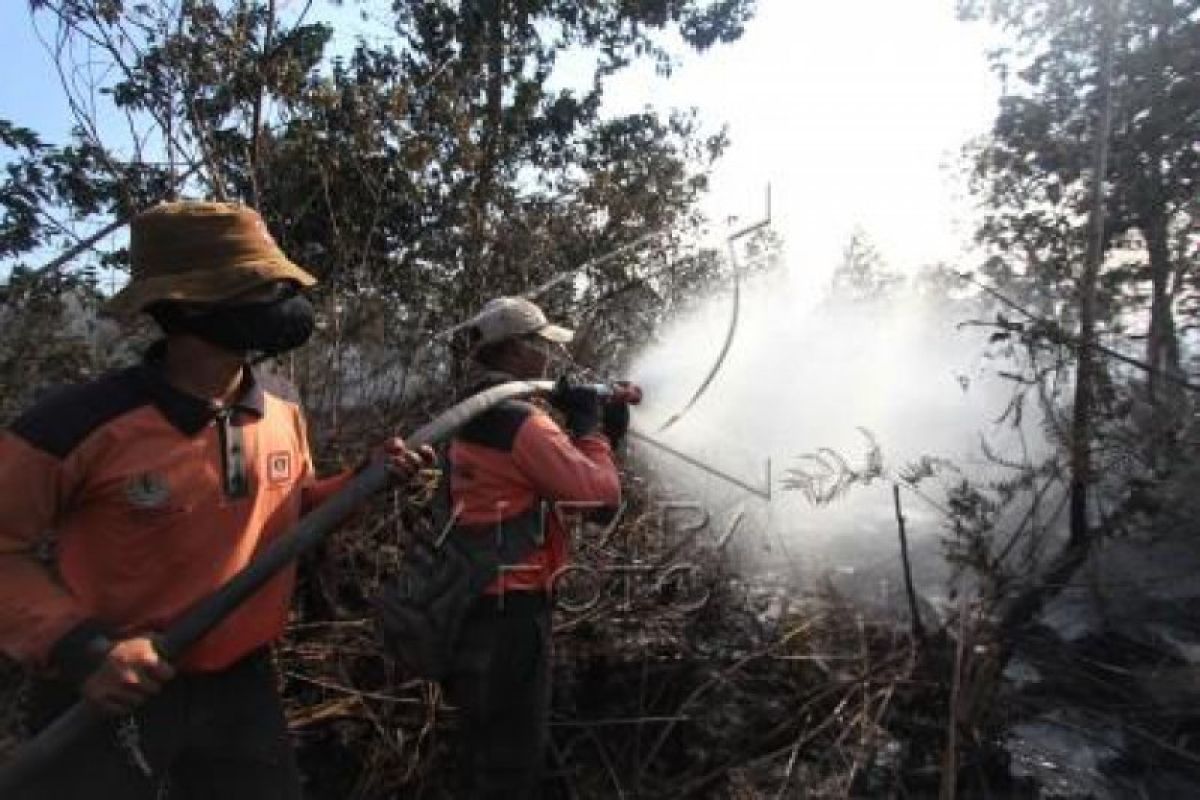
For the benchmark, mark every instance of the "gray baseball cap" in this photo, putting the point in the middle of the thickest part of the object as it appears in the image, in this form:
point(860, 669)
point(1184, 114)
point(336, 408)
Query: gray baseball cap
point(510, 317)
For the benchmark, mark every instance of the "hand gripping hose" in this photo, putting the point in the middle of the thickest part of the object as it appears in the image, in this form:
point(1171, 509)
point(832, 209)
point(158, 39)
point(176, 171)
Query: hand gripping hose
point(36, 755)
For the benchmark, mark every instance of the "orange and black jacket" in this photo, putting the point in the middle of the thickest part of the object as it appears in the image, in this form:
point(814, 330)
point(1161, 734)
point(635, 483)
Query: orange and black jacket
point(124, 501)
point(509, 461)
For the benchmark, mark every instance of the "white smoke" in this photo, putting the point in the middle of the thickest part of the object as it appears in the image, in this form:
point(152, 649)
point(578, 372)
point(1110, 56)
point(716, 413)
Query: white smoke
point(803, 374)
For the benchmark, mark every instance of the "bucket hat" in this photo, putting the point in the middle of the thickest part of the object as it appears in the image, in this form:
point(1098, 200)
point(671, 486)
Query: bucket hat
point(200, 252)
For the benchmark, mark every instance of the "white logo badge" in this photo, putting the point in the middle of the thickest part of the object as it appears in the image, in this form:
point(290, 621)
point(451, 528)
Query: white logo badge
point(148, 491)
point(279, 467)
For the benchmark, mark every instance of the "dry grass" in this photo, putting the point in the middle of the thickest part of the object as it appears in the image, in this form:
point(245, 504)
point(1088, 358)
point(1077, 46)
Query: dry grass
point(653, 698)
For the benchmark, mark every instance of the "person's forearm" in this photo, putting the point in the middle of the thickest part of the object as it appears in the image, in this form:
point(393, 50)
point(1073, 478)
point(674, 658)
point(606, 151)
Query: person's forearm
point(318, 492)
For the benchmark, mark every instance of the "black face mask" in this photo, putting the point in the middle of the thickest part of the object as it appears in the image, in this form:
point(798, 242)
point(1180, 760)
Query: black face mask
point(270, 327)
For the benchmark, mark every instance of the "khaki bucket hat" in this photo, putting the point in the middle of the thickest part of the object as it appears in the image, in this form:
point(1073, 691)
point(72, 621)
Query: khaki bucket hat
point(200, 252)
point(510, 317)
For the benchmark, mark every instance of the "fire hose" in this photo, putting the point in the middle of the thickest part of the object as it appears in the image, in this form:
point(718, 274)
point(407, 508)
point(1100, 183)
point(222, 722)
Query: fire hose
point(36, 755)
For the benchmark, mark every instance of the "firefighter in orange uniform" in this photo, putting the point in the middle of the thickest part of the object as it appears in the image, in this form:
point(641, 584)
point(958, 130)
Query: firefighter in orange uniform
point(504, 466)
point(125, 500)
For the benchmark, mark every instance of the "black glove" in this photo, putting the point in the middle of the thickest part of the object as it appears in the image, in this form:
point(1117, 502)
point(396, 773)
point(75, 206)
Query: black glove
point(580, 405)
point(616, 422)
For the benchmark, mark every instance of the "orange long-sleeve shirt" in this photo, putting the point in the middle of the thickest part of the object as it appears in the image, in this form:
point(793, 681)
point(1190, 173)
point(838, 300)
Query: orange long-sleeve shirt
point(124, 501)
point(514, 457)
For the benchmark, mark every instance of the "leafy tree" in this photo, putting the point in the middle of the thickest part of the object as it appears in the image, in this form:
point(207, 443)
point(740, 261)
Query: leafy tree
point(1034, 169)
point(863, 275)
point(415, 177)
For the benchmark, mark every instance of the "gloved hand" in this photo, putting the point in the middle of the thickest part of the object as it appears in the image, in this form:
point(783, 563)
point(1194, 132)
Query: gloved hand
point(580, 405)
point(616, 422)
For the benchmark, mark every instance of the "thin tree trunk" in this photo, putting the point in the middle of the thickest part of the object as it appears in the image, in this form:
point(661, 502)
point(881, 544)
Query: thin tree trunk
point(1015, 611)
point(1162, 345)
point(495, 86)
point(1019, 610)
point(491, 32)
point(1085, 375)
point(918, 629)
point(256, 124)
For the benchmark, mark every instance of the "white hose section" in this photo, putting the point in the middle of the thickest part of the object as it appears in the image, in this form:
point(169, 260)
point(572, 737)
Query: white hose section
point(448, 422)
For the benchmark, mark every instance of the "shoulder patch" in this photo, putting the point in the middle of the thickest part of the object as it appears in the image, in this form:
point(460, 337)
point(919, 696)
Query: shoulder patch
point(67, 416)
point(497, 427)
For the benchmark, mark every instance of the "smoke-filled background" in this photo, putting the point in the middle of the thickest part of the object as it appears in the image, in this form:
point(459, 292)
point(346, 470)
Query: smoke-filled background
point(823, 401)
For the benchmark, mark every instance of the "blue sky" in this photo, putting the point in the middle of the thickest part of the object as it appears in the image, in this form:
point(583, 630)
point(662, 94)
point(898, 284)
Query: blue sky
point(853, 111)
point(29, 93)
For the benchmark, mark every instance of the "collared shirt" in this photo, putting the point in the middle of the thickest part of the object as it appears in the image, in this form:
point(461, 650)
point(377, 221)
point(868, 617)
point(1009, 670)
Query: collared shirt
point(124, 501)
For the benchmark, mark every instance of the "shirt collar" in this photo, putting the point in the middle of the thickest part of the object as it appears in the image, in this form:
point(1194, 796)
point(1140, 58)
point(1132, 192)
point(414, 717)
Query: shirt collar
point(188, 413)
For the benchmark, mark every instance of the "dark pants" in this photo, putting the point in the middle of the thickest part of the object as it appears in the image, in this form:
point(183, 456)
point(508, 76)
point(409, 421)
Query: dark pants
point(219, 735)
point(500, 683)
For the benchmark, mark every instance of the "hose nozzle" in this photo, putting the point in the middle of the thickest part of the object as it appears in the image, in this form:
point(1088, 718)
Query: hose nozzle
point(620, 392)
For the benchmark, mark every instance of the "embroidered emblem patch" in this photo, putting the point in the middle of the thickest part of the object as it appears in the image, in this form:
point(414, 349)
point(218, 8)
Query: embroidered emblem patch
point(147, 491)
point(279, 467)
